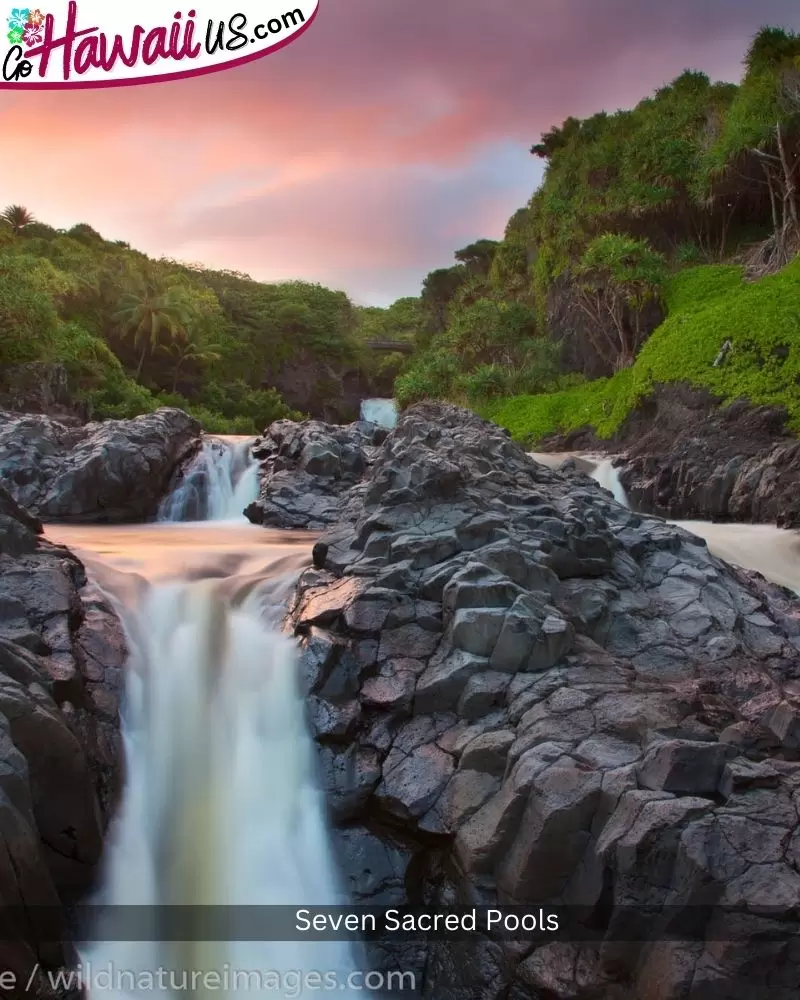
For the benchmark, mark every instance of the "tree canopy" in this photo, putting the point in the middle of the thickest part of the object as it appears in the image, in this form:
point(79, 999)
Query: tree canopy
point(136, 333)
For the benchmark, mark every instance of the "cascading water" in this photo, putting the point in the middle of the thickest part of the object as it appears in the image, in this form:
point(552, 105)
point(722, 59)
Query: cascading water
point(221, 481)
point(607, 476)
point(221, 806)
point(382, 412)
point(599, 468)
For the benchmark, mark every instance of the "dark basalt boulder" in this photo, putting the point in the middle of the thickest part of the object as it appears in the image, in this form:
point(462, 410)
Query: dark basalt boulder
point(308, 468)
point(523, 693)
point(62, 652)
point(114, 471)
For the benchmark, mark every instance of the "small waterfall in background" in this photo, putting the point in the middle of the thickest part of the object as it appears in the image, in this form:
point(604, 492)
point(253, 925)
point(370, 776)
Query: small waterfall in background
point(382, 412)
point(598, 467)
point(607, 476)
point(220, 806)
point(221, 481)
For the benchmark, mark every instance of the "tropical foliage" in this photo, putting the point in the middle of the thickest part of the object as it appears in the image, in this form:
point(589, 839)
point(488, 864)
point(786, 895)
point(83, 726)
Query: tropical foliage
point(136, 333)
point(636, 260)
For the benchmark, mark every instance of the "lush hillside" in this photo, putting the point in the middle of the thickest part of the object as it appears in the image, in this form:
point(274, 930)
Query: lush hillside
point(676, 217)
point(739, 339)
point(136, 333)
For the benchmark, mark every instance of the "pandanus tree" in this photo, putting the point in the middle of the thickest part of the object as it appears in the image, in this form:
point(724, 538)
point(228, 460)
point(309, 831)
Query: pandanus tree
point(18, 217)
point(616, 279)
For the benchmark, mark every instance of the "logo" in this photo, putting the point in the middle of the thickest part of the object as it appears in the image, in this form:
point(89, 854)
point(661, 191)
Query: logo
point(93, 43)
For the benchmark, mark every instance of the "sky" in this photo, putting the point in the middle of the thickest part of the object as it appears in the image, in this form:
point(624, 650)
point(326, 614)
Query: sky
point(363, 154)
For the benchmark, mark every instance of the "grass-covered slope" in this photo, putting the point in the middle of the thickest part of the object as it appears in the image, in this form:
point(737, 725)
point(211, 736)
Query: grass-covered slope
point(706, 306)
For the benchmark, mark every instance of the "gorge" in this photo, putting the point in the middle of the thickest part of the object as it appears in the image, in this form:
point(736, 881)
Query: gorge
point(518, 692)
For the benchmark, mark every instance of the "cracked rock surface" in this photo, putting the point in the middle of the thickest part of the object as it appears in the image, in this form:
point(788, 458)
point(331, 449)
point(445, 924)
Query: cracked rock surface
point(524, 693)
point(62, 652)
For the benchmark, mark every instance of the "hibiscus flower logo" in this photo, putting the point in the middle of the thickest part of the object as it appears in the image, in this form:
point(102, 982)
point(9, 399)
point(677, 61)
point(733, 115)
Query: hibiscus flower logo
point(26, 26)
point(18, 20)
point(32, 35)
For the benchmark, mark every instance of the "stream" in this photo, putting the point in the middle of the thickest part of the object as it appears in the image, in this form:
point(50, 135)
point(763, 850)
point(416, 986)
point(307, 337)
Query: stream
point(220, 805)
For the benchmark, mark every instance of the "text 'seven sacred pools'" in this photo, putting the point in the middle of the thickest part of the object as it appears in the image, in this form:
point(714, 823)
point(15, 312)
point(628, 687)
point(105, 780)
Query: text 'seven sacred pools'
point(97, 44)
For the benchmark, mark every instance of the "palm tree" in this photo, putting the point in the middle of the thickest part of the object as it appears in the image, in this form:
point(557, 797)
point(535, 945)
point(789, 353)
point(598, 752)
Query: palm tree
point(187, 348)
point(149, 313)
point(17, 217)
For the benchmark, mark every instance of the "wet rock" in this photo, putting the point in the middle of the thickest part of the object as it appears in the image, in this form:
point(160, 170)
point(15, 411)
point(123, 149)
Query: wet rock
point(783, 721)
point(441, 685)
point(482, 694)
point(307, 469)
point(741, 774)
point(465, 793)
point(486, 837)
point(62, 650)
point(114, 471)
point(350, 777)
point(414, 785)
point(697, 459)
point(553, 834)
point(487, 753)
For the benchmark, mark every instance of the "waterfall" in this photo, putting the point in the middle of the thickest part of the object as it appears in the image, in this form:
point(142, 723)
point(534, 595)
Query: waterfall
point(382, 412)
point(607, 476)
point(598, 467)
point(220, 806)
point(221, 481)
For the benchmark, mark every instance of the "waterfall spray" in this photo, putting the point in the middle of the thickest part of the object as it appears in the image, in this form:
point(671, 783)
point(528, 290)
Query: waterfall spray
point(221, 481)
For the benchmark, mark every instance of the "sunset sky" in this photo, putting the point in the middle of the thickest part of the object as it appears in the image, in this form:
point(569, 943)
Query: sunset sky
point(391, 133)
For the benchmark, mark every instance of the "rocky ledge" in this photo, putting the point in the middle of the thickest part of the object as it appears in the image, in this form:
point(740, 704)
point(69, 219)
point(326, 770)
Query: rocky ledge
point(62, 651)
point(687, 456)
point(109, 472)
point(523, 693)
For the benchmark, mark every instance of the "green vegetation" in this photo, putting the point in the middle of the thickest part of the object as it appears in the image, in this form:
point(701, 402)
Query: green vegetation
point(657, 235)
point(707, 306)
point(136, 333)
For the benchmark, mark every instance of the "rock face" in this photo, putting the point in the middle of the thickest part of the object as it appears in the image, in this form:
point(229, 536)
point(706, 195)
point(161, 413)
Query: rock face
point(578, 336)
point(62, 652)
point(523, 693)
point(308, 469)
point(39, 387)
point(689, 458)
point(110, 472)
point(736, 463)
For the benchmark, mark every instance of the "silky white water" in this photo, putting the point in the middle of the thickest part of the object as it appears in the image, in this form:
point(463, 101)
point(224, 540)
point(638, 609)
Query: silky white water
point(599, 468)
point(382, 412)
point(221, 481)
point(607, 476)
point(221, 805)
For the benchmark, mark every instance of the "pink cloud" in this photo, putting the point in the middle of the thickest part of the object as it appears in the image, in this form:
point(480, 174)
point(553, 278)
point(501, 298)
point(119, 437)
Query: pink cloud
point(333, 155)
